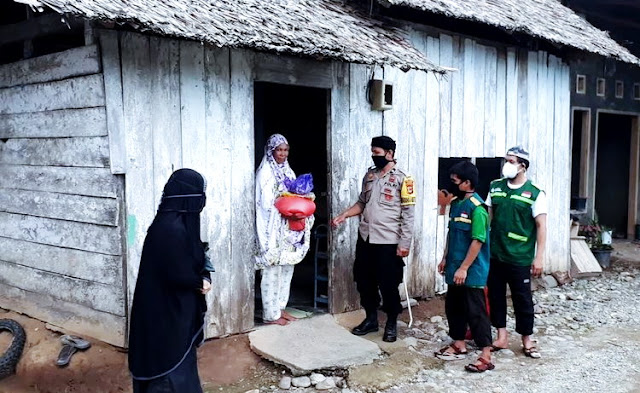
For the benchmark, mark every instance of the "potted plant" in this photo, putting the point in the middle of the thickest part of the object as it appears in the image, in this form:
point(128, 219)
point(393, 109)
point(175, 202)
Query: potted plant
point(598, 238)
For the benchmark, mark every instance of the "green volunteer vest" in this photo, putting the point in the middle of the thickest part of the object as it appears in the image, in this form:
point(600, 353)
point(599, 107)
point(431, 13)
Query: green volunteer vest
point(460, 239)
point(513, 229)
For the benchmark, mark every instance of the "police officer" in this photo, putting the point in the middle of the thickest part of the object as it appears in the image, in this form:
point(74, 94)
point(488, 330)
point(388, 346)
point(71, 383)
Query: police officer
point(518, 236)
point(386, 206)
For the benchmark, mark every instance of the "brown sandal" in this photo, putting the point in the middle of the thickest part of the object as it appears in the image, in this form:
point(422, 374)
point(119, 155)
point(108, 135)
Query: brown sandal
point(484, 365)
point(531, 352)
point(288, 316)
point(280, 321)
point(445, 354)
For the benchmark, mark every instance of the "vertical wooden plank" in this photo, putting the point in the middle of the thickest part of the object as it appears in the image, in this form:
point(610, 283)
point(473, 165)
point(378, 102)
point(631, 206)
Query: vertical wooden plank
point(457, 99)
point(512, 87)
point(490, 102)
point(192, 101)
point(342, 292)
point(165, 101)
point(585, 153)
point(242, 183)
point(219, 198)
point(634, 175)
point(446, 84)
point(139, 140)
point(477, 128)
point(501, 105)
point(470, 104)
point(113, 100)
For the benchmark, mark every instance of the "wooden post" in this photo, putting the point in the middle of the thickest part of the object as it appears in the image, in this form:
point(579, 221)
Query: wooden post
point(634, 172)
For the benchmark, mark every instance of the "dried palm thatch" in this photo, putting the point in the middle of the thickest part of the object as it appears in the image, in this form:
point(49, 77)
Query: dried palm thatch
point(545, 19)
point(318, 28)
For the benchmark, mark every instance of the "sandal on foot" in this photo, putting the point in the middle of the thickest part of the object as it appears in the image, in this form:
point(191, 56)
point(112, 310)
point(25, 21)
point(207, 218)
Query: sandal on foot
point(64, 357)
point(495, 348)
point(531, 352)
point(288, 316)
point(484, 365)
point(280, 321)
point(446, 354)
point(75, 341)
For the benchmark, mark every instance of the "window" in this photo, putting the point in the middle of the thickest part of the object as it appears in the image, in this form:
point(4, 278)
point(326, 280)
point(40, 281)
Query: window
point(619, 89)
point(600, 87)
point(581, 84)
point(636, 91)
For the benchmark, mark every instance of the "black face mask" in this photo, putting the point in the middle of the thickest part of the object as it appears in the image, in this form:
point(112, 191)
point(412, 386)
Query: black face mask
point(379, 161)
point(454, 189)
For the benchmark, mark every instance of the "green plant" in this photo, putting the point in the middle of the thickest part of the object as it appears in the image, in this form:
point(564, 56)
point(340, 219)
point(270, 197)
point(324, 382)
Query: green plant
point(593, 234)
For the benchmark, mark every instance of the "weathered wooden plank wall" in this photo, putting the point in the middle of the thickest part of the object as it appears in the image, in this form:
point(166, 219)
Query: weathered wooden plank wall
point(501, 97)
point(200, 116)
point(60, 206)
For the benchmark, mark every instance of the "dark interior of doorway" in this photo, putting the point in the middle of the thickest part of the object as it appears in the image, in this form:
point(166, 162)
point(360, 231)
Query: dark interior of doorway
point(488, 170)
point(576, 158)
point(612, 171)
point(300, 114)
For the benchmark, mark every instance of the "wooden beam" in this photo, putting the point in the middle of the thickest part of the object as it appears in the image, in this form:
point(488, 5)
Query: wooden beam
point(585, 149)
point(634, 173)
point(38, 27)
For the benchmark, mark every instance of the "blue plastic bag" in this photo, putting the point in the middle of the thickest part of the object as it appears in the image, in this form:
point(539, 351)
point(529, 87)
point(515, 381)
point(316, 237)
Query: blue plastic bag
point(302, 185)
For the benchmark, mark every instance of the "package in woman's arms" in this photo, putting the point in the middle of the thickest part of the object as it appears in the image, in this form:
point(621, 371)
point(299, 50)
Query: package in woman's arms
point(297, 203)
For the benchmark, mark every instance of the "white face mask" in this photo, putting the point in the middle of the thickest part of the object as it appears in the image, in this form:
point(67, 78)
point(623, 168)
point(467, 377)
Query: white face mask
point(509, 170)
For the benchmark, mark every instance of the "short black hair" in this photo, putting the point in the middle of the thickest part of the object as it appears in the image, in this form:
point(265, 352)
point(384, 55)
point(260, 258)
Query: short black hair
point(465, 170)
point(523, 162)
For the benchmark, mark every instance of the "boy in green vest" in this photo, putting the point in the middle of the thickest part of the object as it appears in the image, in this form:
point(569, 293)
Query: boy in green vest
point(518, 211)
point(466, 265)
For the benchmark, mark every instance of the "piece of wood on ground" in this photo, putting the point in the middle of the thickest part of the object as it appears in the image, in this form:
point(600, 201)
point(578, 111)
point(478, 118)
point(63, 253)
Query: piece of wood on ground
point(583, 263)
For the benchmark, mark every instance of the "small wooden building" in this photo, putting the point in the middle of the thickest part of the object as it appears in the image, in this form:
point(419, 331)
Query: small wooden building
point(89, 135)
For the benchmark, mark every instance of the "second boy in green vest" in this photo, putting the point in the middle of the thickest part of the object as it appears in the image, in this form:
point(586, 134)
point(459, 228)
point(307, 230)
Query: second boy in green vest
point(518, 235)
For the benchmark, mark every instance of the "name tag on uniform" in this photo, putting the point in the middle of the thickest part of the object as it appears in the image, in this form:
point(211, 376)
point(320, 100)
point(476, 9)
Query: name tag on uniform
point(526, 194)
point(464, 215)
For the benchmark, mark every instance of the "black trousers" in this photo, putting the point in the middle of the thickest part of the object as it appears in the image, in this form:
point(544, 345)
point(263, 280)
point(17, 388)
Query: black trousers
point(519, 280)
point(184, 379)
point(378, 270)
point(466, 306)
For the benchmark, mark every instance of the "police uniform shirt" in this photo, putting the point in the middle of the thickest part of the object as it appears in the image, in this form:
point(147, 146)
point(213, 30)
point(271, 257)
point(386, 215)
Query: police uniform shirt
point(388, 204)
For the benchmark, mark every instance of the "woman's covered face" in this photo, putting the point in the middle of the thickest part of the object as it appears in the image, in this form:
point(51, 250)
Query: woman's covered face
point(281, 153)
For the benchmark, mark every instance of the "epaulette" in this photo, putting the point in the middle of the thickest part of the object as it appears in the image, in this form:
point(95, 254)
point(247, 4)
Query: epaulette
point(536, 186)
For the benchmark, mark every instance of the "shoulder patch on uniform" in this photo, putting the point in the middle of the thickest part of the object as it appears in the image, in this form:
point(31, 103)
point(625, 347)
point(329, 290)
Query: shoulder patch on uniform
point(408, 192)
point(475, 201)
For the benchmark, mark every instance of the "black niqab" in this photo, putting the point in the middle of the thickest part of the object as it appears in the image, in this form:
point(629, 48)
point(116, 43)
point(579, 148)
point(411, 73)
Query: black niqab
point(167, 314)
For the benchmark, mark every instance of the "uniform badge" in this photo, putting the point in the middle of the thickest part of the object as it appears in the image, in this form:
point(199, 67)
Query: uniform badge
point(370, 176)
point(464, 215)
point(388, 197)
point(387, 191)
point(408, 193)
point(526, 194)
point(392, 179)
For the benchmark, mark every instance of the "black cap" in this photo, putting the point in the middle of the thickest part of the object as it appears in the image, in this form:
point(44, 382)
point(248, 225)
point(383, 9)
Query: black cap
point(383, 142)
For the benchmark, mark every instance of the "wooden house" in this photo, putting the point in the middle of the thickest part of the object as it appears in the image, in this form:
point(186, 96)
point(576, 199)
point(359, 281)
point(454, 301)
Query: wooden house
point(100, 100)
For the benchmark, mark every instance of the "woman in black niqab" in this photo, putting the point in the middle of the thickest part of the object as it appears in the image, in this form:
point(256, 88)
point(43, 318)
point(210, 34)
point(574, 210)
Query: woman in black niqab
point(167, 315)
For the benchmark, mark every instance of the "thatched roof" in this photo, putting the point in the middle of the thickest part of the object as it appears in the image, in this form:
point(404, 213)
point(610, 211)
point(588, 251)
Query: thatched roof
point(318, 28)
point(545, 19)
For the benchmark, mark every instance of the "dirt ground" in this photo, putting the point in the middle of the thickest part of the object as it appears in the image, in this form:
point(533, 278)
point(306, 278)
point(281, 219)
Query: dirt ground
point(226, 365)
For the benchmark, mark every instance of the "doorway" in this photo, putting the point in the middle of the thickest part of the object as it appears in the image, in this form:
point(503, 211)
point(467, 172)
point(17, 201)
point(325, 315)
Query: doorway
point(612, 171)
point(300, 114)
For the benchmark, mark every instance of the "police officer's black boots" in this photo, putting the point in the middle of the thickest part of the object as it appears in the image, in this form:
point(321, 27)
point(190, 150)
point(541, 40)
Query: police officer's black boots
point(391, 329)
point(370, 324)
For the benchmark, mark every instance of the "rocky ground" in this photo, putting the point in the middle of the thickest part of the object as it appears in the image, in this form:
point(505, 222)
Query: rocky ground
point(587, 331)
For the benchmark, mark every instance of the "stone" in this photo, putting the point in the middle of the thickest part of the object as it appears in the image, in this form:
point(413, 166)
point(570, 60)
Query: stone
point(402, 324)
point(537, 309)
point(340, 382)
point(549, 281)
point(562, 277)
point(326, 384)
point(301, 382)
point(315, 378)
point(411, 341)
point(436, 319)
point(253, 391)
point(507, 353)
point(285, 383)
point(289, 345)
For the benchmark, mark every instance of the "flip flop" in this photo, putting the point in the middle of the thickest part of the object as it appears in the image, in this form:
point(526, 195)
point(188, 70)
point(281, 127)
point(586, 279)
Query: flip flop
point(64, 357)
point(280, 321)
point(75, 341)
point(485, 365)
point(495, 348)
point(457, 354)
point(531, 352)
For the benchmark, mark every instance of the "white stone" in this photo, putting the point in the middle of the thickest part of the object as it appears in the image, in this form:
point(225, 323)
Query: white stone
point(436, 319)
point(253, 391)
point(285, 383)
point(326, 384)
point(315, 378)
point(301, 382)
